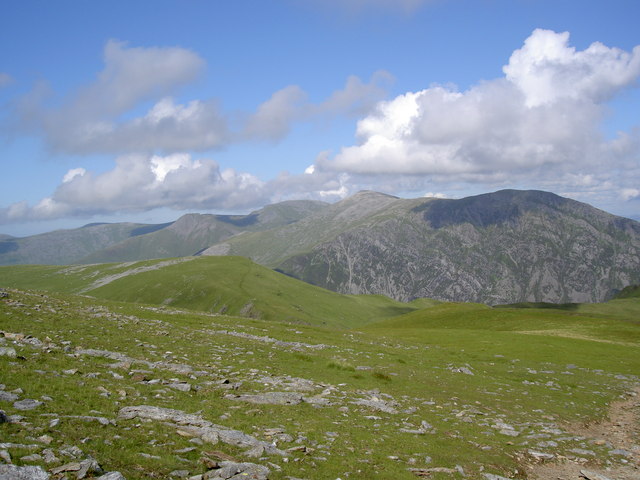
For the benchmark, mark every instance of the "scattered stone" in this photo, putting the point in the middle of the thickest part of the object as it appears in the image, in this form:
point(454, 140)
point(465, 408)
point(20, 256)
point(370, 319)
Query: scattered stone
point(540, 455)
point(465, 370)
point(8, 352)
point(271, 398)
point(67, 467)
point(377, 404)
point(8, 396)
point(46, 439)
point(491, 476)
point(34, 457)
point(222, 456)
point(11, 472)
point(183, 387)
point(198, 427)
point(426, 472)
point(621, 452)
point(89, 418)
point(89, 466)
point(26, 404)
point(111, 476)
point(185, 450)
point(179, 473)
point(71, 452)
point(49, 456)
point(592, 475)
point(289, 383)
point(5, 456)
point(255, 452)
point(237, 471)
point(208, 463)
point(3, 417)
point(582, 451)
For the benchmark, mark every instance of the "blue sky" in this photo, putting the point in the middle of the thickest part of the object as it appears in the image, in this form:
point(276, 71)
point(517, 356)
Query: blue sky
point(142, 111)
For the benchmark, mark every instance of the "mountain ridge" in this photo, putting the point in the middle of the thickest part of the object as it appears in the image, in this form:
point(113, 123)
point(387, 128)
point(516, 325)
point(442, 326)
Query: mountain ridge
point(504, 247)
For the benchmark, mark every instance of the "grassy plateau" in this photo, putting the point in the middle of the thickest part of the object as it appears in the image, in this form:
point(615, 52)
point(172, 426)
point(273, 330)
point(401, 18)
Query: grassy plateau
point(372, 388)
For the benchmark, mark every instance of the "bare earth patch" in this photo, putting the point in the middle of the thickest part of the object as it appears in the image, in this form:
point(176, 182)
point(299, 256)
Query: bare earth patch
point(621, 430)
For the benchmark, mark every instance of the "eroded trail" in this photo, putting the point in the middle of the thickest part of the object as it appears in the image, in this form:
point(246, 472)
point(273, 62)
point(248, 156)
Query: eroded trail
point(620, 432)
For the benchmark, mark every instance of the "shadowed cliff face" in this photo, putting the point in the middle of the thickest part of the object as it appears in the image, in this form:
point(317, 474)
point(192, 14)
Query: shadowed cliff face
point(505, 247)
point(488, 209)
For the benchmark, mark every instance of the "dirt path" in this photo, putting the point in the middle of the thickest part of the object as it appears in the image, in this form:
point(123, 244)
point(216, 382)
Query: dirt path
point(621, 430)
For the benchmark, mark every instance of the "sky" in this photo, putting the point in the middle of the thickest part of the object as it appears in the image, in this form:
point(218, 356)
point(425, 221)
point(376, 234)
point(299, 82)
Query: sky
point(144, 110)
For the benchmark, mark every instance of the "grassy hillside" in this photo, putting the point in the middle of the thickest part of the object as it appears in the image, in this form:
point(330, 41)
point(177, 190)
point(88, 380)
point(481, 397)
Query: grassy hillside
point(447, 390)
point(224, 285)
point(588, 333)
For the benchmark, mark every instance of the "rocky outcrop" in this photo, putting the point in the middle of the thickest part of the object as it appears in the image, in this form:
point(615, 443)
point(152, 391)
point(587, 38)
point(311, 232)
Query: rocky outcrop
point(498, 248)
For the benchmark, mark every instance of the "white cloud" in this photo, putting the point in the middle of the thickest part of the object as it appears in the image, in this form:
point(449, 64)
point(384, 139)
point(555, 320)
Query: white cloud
point(540, 123)
point(133, 74)
point(274, 118)
point(630, 194)
point(546, 69)
point(71, 174)
point(90, 121)
point(356, 98)
point(435, 195)
point(139, 183)
point(98, 117)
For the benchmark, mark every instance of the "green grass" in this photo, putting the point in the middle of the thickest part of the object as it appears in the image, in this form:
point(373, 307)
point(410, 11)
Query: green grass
point(533, 368)
point(225, 285)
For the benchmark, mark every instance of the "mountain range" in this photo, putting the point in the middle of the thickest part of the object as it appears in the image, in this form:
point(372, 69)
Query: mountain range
point(504, 247)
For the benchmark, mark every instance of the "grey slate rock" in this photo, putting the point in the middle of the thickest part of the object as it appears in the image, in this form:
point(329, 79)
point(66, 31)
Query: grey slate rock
point(8, 352)
point(8, 396)
point(270, 398)
point(26, 404)
point(592, 475)
point(12, 472)
point(111, 476)
point(238, 471)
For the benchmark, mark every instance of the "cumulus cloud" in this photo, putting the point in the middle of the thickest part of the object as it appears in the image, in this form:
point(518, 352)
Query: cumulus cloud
point(97, 118)
point(90, 120)
point(132, 74)
point(178, 181)
point(541, 120)
point(546, 70)
point(274, 118)
point(630, 194)
point(166, 127)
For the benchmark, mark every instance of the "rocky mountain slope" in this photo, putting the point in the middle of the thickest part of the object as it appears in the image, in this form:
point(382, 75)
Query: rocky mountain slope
point(129, 242)
point(67, 246)
point(192, 233)
point(503, 247)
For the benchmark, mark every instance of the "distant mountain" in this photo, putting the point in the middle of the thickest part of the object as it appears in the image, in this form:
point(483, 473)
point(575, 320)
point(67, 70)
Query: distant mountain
point(100, 243)
point(192, 233)
point(61, 247)
point(504, 247)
